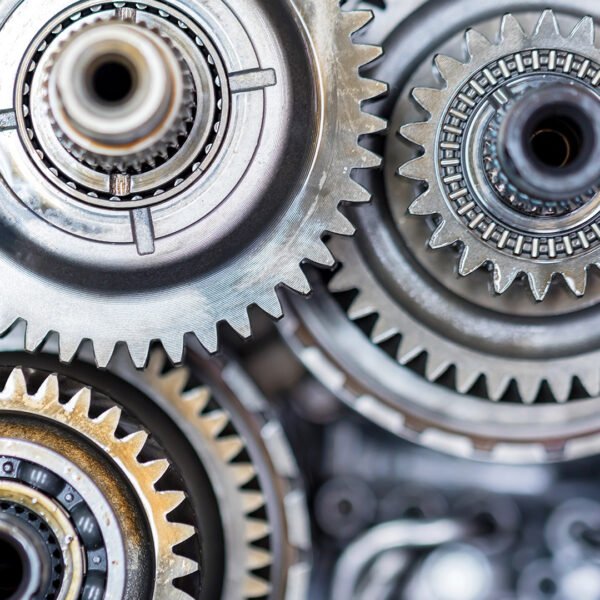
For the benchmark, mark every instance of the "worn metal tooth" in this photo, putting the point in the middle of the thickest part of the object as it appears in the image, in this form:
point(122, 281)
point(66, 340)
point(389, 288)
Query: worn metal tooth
point(511, 30)
point(109, 420)
point(156, 469)
point(529, 388)
point(79, 404)
point(196, 400)
point(497, 383)
point(355, 20)
point(298, 282)
point(560, 384)
point(49, 391)
point(503, 277)
point(448, 66)
point(435, 366)
point(410, 347)
point(547, 26)
point(367, 54)
point(444, 235)
point(577, 281)
point(425, 204)
point(584, 31)
point(590, 380)
point(539, 284)
point(361, 307)
point(103, 352)
point(383, 330)
point(169, 501)
point(252, 501)
point(214, 423)
point(320, 254)
point(229, 447)
point(255, 587)
point(242, 473)
point(417, 169)
point(35, 336)
point(469, 261)
point(256, 529)
point(465, 379)
point(419, 133)
point(477, 43)
point(68, 347)
point(135, 442)
point(429, 99)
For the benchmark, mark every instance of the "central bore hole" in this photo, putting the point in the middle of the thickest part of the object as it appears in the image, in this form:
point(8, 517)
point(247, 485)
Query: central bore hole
point(12, 570)
point(112, 80)
point(556, 141)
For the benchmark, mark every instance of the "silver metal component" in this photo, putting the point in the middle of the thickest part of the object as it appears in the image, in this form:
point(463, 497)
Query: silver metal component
point(28, 433)
point(487, 210)
point(118, 94)
point(230, 215)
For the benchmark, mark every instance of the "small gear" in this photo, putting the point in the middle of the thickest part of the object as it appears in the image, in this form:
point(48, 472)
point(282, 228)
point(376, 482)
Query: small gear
point(50, 449)
point(137, 148)
point(507, 154)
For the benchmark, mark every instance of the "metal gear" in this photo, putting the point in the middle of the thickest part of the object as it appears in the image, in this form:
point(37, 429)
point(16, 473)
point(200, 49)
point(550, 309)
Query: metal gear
point(73, 111)
point(428, 350)
point(53, 454)
point(479, 182)
point(176, 241)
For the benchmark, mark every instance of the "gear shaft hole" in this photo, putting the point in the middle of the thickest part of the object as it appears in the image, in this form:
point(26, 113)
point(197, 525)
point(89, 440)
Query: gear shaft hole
point(112, 80)
point(12, 569)
point(556, 141)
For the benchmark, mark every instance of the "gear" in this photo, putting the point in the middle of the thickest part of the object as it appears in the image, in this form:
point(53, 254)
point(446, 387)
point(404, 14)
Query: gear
point(226, 220)
point(50, 454)
point(132, 147)
point(510, 201)
point(254, 568)
point(426, 354)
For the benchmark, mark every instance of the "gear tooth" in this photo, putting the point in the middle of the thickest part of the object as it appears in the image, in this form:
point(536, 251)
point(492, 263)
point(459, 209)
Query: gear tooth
point(229, 447)
point(68, 347)
point(382, 331)
point(420, 133)
point(196, 400)
point(156, 469)
point(15, 387)
point(366, 54)
point(79, 404)
point(252, 501)
point(138, 353)
point(241, 324)
point(497, 384)
point(477, 43)
point(529, 388)
point(356, 193)
point(435, 366)
point(103, 352)
point(442, 236)
point(560, 385)
point(209, 338)
point(110, 420)
point(214, 423)
point(576, 281)
point(35, 336)
point(156, 362)
point(447, 66)
point(503, 278)
point(547, 26)
point(258, 558)
point(169, 501)
point(174, 381)
point(372, 89)
point(341, 225)
point(410, 347)
point(425, 204)
point(184, 566)
point(511, 30)
point(539, 284)
point(429, 99)
point(584, 31)
point(174, 347)
point(590, 380)
point(270, 304)
point(465, 379)
point(355, 20)
point(365, 159)
point(242, 473)
point(342, 281)
point(255, 587)
point(298, 282)
point(135, 442)
point(361, 307)
point(371, 124)
point(320, 255)
point(469, 261)
point(49, 391)
point(256, 530)
point(417, 169)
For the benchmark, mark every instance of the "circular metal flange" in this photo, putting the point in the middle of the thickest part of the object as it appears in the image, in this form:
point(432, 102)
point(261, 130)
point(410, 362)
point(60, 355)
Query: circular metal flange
point(219, 223)
point(89, 487)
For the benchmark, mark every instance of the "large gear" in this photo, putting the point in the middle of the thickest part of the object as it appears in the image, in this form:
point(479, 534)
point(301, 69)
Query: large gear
point(226, 218)
point(431, 355)
point(481, 195)
point(50, 465)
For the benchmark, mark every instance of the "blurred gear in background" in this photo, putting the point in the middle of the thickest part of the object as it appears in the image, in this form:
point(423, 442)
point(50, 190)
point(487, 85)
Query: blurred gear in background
point(174, 160)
